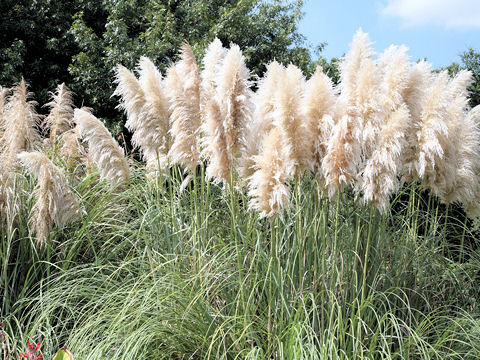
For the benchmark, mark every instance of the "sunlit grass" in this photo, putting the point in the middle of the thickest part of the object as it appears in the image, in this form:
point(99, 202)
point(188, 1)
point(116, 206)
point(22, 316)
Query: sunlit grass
point(154, 271)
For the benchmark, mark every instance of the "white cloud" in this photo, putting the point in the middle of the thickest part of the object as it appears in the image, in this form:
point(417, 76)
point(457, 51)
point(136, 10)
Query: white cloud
point(447, 13)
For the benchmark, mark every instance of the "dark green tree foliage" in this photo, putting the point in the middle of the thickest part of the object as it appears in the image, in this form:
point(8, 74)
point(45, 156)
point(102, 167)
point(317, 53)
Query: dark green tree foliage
point(263, 30)
point(35, 43)
point(80, 42)
point(470, 61)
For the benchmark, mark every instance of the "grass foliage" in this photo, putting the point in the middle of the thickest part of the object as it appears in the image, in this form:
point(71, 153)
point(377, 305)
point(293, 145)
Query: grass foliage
point(157, 271)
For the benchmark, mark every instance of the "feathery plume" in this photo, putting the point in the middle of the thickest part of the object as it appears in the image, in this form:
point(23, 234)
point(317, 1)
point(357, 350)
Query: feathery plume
point(60, 118)
point(131, 95)
point(20, 122)
point(55, 202)
point(268, 187)
point(344, 152)
point(457, 177)
point(289, 118)
point(215, 144)
point(151, 134)
point(233, 97)
point(433, 136)
point(211, 65)
point(317, 106)
point(468, 181)
point(3, 94)
point(262, 122)
point(105, 152)
point(182, 84)
point(187, 70)
point(418, 82)
point(380, 178)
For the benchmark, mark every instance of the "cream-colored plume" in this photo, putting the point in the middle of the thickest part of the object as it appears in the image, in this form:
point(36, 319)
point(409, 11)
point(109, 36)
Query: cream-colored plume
point(60, 118)
point(419, 81)
point(262, 121)
point(20, 121)
point(151, 135)
point(456, 178)
point(215, 145)
point(183, 91)
point(344, 152)
point(268, 188)
point(317, 106)
point(388, 130)
point(55, 203)
point(380, 178)
point(105, 152)
point(468, 181)
point(233, 97)
point(433, 136)
point(3, 94)
point(290, 120)
point(131, 95)
point(212, 62)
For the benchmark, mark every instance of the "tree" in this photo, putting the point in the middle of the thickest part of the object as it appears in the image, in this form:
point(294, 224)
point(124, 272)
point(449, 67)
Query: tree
point(264, 30)
point(470, 61)
point(79, 41)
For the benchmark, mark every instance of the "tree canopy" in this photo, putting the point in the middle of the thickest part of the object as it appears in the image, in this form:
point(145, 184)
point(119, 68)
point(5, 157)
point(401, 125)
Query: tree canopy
point(80, 42)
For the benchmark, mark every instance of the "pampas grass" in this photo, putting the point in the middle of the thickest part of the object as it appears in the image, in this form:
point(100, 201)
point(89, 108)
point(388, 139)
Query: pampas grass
point(262, 120)
point(60, 117)
point(183, 91)
point(290, 120)
point(212, 62)
point(55, 203)
point(147, 111)
point(433, 136)
point(152, 136)
point(233, 97)
point(268, 186)
point(21, 119)
point(380, 177)
point(105, 152)
point(215, 146)
point(317, 106)
point(344, 153)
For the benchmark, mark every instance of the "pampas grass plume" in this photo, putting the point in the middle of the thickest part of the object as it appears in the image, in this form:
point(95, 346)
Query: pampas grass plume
point(55, 202)
point(19, 124)
point(262, 120)
point(105, 152)
point(268, 187)
point(151, 133)
point(60, 117)
point(215, 145)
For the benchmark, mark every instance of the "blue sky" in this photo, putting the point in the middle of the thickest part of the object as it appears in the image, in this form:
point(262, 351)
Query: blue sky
point(438, 30)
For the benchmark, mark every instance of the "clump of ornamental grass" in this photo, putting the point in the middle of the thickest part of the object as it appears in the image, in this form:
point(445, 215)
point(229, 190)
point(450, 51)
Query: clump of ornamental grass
point(232, 111)
point(55, 204)
point(317, 106)
point(262, 119)
point(20, 123)
point(183, 92)
point(60, 117)
point(290, 120)
point(344, 150)
point(268, 186)
point(380, 176)
point(104, 151)
point(212, 62)
point(146, 106)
